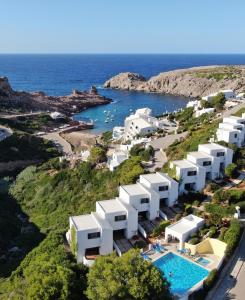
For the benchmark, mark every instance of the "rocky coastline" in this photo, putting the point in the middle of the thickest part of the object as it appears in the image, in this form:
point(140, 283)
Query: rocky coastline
point(192, 82)
point(11, 100)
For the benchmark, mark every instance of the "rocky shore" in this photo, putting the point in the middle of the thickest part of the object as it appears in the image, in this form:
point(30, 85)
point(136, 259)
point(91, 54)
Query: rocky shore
point(192, 82)
point(24, 101)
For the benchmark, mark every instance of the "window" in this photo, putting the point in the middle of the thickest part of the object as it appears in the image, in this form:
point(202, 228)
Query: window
point(206, 163)
point(136, 127)
point(235, 135)
point(192, 173)
point(93, 235)
point(120, 218)
point(220, 154)
point(144, 200)
point(163, 188)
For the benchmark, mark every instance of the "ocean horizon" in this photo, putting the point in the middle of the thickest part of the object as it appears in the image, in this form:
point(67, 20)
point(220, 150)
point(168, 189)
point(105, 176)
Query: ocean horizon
point(59, 74)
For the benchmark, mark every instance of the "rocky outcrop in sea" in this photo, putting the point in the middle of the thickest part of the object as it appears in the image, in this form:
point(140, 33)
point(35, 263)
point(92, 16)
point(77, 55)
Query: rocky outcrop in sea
point(24, 101)
point(192, 82)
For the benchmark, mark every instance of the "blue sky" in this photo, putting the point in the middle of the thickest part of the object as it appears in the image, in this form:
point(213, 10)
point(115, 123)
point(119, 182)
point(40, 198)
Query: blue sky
point(126, 26)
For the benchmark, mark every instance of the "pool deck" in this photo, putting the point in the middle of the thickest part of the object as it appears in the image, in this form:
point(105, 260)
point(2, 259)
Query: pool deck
point(172, 247)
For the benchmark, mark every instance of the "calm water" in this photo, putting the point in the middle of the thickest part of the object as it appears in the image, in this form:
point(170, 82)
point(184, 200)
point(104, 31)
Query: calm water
point(59, 74)
point(185, 274)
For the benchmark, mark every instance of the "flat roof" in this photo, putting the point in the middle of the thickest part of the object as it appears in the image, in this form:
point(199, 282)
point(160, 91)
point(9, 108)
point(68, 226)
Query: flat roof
point(85, 222)
point(182, 227)
point(228, 129)
point(234, 118)
point(134, 189)
point(142, 123)
point(213, 146)
point(155, 177)
point(184, 164)
point(111, 206)
point(199, 154)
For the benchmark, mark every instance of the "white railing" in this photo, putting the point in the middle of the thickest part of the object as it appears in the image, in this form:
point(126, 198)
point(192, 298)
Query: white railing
point(119, 252)
point(142, 231)
point(163, 215)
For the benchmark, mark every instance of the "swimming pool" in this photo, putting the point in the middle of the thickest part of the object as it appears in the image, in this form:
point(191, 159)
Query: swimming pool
point(185, 274)
point(203, 261)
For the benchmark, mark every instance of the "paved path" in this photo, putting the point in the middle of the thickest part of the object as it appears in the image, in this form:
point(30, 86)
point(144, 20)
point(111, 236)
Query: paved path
point(228, 287)
point(56, 138)
point(10, 116)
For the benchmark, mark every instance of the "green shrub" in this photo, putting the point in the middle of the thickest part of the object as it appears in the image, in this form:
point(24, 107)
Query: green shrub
point(232, 236)
point(97, 155)
point(231, 170)
point(222, 233)
point(140, 244)
point(212, 187)
point(241, 205)
point(210, 280)
point(160, 228)
point(223, 211)
point(194, 241)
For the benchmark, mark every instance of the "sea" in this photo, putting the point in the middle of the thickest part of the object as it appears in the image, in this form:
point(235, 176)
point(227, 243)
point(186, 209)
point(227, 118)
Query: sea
point(59, 74)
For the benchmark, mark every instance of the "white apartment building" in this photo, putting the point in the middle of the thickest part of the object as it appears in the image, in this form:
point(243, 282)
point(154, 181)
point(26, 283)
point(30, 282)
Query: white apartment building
point(144, 200)
point(141, 123)
point(232, 130)
point(224, 154)
point(165, 186)
point(203, 111)
point(209, 162)
point(191, 177)
point(93, 235)
point(121, 216)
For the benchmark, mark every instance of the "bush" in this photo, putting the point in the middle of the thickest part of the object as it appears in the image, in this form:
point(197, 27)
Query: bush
point(218, 101)
point(232, 236)
point(210, 280)
point(231, 170)
point(212, 187)
point(97, 155)
point(160, 228)
point(194, 241)
point(177, 217)
point(223, 211)
point(222, 233)
point(140, 244)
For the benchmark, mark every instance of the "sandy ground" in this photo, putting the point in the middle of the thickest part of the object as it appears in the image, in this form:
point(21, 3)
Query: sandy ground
point(80, 140)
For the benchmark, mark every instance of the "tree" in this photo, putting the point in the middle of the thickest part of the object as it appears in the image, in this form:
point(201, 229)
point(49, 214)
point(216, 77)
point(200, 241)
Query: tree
point(97, 155)
point(218, 101)
point(215, 219)
point(127, 277)
point(231, 170)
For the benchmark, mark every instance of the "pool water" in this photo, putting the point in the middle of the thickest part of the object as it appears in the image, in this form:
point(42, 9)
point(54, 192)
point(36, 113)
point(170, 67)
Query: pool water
point(203, 261)
point(185, 274)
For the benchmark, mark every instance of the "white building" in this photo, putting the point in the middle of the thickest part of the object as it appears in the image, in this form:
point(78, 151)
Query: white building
point(191, 177)
point(229, 94)
point(165, 186)
point(144, 200)
point(117, 132)
point(121, 216)
point(240, 96)
point(92, 236)
point(200, 112)
point(116, 159)
point(56, 115)
point(196, 104)
point(209, 162)
point(232, 130)
point(224, 154)
point(183, 229)
point(141, 123)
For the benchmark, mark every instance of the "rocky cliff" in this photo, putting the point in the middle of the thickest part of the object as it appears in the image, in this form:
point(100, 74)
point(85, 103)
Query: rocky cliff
point(77, 101)
point(193, 82)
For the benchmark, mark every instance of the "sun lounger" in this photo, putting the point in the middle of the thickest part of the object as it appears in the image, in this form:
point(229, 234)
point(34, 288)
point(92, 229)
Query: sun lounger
point(145, 256)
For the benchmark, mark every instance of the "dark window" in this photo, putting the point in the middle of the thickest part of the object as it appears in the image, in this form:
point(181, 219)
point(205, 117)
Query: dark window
point(206, 163)
point(163, 188)
point(93, 235)
point(144, 200)
point(192, 173)
point(136, 127)
point(220, 154)
point(132, 123)
point(235, 135)
point(163, 199)
point(120, 218)
point(148, 130)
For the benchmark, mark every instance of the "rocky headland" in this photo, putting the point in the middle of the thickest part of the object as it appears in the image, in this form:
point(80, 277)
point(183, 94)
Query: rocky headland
point(24, 101)
point(192, 82)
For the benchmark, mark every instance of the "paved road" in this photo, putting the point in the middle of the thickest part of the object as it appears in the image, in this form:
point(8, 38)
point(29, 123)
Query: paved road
point(10, 116)
point(160, 145)
point(64, 145)
point(235, 109)
point(232, 288)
